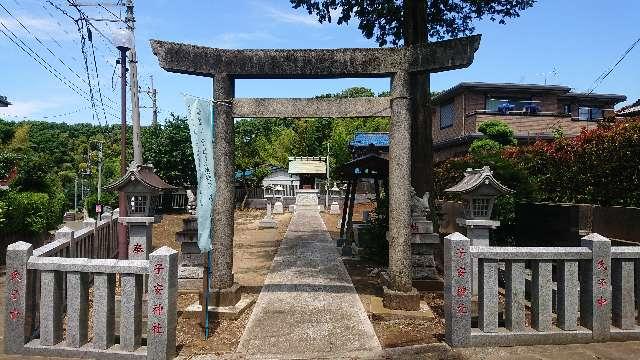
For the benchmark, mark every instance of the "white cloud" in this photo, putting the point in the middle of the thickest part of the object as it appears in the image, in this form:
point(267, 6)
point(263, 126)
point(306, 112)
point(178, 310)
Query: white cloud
point(43, 28)
point(235, 40)
point(291, 18)
point(27, 108)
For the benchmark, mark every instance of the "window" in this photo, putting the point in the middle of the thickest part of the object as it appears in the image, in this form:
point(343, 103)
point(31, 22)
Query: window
point(480, 208)
point(493, 102)
point(589, 114)
point(566, 108)
point(447, 115)
point(138, 204)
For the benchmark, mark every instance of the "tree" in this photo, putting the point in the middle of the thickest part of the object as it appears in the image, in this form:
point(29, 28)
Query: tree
point(387, 19)
point(168, 148)
point(414, 22)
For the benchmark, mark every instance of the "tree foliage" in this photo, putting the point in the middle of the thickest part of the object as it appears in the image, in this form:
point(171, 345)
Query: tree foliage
point(599, 166)
point(384, 19)
point(168, 147)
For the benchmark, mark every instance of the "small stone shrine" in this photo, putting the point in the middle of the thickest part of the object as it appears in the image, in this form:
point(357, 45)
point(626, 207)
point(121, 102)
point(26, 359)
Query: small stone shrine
point(423, 239)
point(142, 188)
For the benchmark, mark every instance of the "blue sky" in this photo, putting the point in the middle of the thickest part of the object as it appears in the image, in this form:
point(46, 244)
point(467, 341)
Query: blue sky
point(579, 38)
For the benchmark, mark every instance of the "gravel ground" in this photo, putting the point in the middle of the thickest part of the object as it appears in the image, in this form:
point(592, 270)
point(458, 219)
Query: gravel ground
point(253, 252)
point(391, 333)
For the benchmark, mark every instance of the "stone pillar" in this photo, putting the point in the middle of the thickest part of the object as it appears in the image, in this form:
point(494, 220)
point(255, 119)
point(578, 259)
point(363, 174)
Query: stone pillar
point(19, 302)
point(568, 294)
point(400, 199)
point(595, 294)
point(488, 295)
point(162, 305)
point(50, 308)
point(514, 318)
point(347, 250)
point(140, 236)
point(131, 316)
point(478, 233)
point(345, 213)
point(457, 289)
point(222, 245)
point(541, 295)
point(104, 293)
point(77, 308)
point(623, 297)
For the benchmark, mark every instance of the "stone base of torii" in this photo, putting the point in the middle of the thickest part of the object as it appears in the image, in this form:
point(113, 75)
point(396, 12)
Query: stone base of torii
point(225, 66)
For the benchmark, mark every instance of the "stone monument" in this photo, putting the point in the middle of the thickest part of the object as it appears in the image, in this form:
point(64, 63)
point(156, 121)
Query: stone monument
point(423, 239)
point(191, 261)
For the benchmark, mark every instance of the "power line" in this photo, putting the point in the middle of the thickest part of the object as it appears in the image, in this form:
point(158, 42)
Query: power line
point(50, 68)
point(605, 74)
point(41, 43)
point(95, 66)
point(48, 116)
point(31, 53)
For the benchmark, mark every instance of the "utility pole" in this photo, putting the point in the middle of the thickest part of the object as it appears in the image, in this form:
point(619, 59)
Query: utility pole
point(153, 94)
point(99, 170)
point(75, 195)
point(326, 201)
point(154, 103)
point(135, 100)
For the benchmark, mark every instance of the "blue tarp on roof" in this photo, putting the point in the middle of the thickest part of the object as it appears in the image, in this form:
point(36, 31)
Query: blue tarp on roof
point(364, 139)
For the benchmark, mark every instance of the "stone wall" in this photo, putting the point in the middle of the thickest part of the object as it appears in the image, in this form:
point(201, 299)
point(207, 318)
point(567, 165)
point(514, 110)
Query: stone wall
point(595, 282)
point(564, 224)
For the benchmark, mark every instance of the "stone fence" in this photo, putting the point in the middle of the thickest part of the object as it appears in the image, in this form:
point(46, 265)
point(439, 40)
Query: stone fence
point(595, 297)
point(40, 287)
point(97, 240)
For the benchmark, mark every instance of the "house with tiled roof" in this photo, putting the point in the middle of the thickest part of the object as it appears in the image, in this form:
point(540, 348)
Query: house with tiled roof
point(364, 143)
point(533, 112)
point(629, 110)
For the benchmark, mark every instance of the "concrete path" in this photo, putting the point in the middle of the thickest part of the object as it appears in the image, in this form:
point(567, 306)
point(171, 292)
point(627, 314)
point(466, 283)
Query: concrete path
point(308, 307)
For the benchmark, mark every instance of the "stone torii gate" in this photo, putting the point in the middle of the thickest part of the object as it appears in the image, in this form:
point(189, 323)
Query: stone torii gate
point(225, 66)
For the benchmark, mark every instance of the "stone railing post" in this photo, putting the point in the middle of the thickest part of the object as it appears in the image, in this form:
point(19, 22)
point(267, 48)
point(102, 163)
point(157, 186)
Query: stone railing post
point(162, 311)
point(18, 321)
point(457, 289)
point(595, 301)
point(66, 234)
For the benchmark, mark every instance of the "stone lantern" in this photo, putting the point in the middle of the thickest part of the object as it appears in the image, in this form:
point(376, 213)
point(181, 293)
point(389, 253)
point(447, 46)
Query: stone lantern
point(278, 193)
point(268, 222)
point(269, 194)
point(142, 188)
point(479, 190)
point(335, 193)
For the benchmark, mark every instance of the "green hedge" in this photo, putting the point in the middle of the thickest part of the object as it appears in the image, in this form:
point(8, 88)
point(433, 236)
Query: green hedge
point(29, 212)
